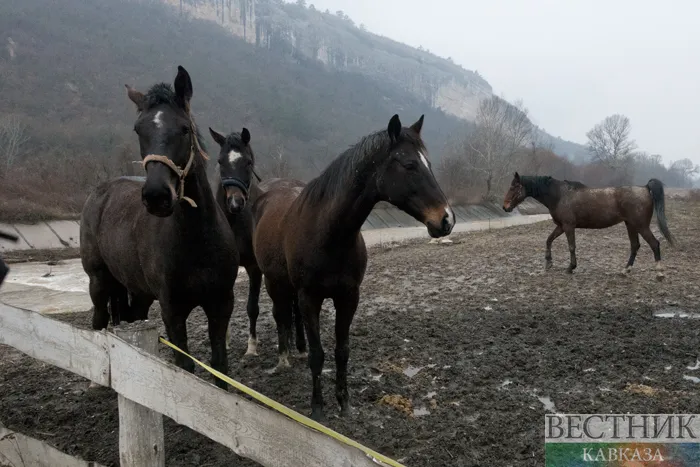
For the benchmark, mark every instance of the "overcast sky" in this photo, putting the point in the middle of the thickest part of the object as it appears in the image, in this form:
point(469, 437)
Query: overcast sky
point(573, 62)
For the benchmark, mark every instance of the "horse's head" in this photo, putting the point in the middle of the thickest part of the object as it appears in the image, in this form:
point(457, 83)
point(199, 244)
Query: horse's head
point(516, 194)
point(406, 180)
point(236, 167)
point(167, 140)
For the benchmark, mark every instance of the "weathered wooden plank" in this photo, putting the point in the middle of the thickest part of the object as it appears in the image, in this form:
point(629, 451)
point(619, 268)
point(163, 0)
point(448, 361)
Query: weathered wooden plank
point(77, 350)
point(250, 430)
point(141, 437)
point(17, 449)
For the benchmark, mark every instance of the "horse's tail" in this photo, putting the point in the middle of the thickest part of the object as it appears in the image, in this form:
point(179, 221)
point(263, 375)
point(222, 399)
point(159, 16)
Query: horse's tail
point(656, 188)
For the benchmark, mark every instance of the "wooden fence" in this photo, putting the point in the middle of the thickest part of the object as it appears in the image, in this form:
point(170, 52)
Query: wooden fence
point(149, 388)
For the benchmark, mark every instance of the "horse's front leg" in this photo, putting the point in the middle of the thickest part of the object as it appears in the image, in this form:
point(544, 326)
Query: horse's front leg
point(571, 237)
point(345, 307)
point(254, 284)
point(175, 319)
point(218, 313)
point(548, 252)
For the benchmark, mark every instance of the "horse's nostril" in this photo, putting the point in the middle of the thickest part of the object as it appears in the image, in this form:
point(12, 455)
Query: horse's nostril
point(446, 223)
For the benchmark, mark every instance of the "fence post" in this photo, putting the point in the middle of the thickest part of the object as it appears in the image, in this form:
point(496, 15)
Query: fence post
point(141, 438)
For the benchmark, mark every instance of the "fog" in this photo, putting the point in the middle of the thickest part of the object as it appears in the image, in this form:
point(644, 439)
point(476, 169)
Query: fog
point(573, 63)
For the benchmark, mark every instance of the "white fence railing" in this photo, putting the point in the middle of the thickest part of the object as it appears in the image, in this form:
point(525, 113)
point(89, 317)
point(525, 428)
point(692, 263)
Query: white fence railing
point(149, 388)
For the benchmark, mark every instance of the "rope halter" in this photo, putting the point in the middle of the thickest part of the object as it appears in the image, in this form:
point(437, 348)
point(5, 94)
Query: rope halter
point(181, 173)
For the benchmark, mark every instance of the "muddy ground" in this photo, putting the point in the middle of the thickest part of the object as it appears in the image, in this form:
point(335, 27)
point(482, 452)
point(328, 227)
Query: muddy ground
point(498, 341)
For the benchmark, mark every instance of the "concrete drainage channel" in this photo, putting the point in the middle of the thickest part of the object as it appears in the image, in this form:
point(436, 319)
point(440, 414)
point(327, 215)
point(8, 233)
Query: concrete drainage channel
point(63, 287)
point(382, 222)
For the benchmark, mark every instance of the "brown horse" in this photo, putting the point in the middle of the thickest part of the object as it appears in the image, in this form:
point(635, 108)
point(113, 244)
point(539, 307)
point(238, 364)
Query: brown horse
point(236, 194)
point(179, 250)
point(574, 205)
point(309, 246)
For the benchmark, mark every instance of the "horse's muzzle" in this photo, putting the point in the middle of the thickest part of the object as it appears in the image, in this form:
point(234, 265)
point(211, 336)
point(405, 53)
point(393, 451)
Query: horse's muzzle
point(443, 226)
point(159, 202)
point(235, 200)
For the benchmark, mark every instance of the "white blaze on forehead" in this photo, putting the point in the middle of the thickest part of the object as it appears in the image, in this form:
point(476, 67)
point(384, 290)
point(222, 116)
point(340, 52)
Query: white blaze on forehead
point(423, 159)
point(233, 156)
point(157, 121)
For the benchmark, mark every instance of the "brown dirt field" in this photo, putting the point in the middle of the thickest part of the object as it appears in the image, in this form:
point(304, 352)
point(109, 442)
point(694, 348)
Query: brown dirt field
point(493, 333)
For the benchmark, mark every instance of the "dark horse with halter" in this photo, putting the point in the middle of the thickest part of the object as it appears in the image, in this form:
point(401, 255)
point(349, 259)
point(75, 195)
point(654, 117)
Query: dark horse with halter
point(309, 246)
point(574, 205)
point(236, 194)
point(179, 249)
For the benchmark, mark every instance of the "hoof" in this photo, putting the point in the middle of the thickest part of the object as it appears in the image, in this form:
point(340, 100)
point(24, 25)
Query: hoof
point(317, 414)
point(303, 355)
point(660, 276)
point(626, 271)
point(252, 347)
point(228, 338)
point(345, 410)
point(569, 271)
point(282, 365)
point(94, 385)
point(548, 266)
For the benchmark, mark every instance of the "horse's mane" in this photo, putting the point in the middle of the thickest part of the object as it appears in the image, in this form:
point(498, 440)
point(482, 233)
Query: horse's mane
point(538, 184)
point(575, 185)
point(163, 93)
point(352, 164)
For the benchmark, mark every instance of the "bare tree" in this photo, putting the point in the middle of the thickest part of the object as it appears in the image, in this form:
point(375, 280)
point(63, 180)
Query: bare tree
point(278, 167)
point(609, 142)
point(13, 137)
point(686, 170)
point(502, 129)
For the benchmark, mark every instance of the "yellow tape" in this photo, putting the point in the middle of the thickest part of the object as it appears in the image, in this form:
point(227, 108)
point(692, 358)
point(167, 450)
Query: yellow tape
point(296, 416)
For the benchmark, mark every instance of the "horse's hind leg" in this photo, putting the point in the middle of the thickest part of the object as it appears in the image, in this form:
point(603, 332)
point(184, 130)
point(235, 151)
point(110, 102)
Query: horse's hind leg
point(655, 247)
point(299, 327)
point(571, 237)
point(101, 286)
point(282, 313)
point(119, 304)
point(634, 246)
point(254, 284)
point(548, 253)
point(310, 306)
point(140, 304)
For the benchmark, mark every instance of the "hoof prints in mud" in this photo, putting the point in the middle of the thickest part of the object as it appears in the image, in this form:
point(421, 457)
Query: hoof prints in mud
point(456, 353)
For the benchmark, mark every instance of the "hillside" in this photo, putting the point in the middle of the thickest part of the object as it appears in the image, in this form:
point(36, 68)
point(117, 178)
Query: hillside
point(332, 38)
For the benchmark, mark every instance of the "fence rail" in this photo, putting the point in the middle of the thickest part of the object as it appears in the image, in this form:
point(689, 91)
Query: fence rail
point(248, 429)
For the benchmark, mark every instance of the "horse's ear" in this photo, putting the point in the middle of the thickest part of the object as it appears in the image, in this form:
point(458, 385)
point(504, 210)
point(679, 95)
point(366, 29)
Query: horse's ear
point(394, 128)
point(245, 136)
point(135, 96)
point(418, 125)
point(183, 87)
point(516, 177)
point(218, 137)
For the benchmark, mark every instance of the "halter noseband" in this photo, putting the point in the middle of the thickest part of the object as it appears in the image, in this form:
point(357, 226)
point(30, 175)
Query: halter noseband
point(236, 182)
point(181, 173)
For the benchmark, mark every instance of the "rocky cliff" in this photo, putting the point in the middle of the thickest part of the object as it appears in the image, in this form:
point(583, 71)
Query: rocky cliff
point(332, 39)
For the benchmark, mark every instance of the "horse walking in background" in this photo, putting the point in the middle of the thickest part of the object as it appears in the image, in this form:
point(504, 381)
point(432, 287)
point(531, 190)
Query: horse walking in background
point(179, 250)
point(236, 194)
point(309, 246)
point(574, 205)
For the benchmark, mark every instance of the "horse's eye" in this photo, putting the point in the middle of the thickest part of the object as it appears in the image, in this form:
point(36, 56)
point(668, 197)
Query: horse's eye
point(410, 165)
point(185, 130)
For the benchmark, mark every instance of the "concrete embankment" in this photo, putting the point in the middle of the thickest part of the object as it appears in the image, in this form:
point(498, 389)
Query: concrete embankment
point(63, 287)
point(66, 234)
